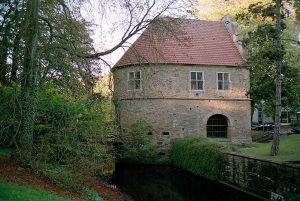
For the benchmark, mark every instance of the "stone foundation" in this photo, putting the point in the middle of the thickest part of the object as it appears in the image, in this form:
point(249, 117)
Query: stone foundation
point(176, 118)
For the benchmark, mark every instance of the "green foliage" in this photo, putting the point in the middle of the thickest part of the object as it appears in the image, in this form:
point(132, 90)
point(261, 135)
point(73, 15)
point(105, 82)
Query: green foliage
point(263, 55)
point(62, 176)
point(137, 144)
point(72, 137)
point(4, 152)
point(198, 156)
point(9, 115)
point(262, 9)
point(291, 84)
point(92, 195)
point(13, 192)
point(67, 31)
point(263, 38)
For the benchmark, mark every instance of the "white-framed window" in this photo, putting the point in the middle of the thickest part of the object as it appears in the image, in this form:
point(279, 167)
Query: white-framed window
point(134, 80)
point(197, 80)
point(223, 81)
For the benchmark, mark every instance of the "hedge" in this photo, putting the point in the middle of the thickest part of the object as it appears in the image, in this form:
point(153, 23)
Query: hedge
point(198, 156)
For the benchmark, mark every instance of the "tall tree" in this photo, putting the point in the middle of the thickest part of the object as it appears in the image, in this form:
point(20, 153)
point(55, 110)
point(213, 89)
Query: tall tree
point(11, 43)
point(273, 51)
point(276, 136)
point(5, 35)
point(29, 82)
point(57, 47)
point(262, 24)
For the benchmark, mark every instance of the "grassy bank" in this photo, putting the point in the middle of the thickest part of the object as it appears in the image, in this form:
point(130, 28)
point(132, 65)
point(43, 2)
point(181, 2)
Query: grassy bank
point(13, 192)
point(198, 156)
point(203, 157)
point(19, 183)
point(289, 149)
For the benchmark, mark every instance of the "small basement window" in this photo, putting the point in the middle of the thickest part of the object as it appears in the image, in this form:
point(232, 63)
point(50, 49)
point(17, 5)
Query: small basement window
point(166, 133)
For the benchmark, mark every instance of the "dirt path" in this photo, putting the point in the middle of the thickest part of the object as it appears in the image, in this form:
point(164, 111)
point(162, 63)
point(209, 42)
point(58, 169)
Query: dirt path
point(12, 172)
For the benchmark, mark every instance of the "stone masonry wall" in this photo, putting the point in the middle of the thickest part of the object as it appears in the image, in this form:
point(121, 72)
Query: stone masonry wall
point(270, 180)
point(178, 118)
point(173, 110)
point(173, 81)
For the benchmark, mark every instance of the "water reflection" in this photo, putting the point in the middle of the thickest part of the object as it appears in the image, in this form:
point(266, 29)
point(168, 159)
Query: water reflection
point(153, 183)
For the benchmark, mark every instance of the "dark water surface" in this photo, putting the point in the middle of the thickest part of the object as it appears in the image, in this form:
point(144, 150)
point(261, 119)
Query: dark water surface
point(155, 183)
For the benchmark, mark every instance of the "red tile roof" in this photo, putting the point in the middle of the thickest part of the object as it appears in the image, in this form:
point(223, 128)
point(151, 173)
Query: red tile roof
point(189, 42)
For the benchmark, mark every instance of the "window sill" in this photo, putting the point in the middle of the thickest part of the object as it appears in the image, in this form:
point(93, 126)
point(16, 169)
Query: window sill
point(197, 90)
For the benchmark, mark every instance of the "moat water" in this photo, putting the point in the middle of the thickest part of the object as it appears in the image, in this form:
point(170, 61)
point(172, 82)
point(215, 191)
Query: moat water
point(159, 183)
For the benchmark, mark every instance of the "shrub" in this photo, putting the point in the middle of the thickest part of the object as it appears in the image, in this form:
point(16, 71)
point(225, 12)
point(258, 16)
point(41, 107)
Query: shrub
point(9, 115)
point(92, 195)
point(72, 138)
point(137, 144)
point(198, 156)
point(72, 134)
point(62, 176)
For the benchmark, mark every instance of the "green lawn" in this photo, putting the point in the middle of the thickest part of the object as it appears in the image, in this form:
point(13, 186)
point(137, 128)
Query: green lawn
point(13, 192)
point(289, 149)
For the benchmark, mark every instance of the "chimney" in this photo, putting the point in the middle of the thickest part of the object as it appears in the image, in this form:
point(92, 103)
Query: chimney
point(236, 36)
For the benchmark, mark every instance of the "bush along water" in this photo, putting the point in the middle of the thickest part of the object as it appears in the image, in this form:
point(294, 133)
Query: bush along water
point(138, 147)
point(72, 137)
point(9, 115)
point(198, 156)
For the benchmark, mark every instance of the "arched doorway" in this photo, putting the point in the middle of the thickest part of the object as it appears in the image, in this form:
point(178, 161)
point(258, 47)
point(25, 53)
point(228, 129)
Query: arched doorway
point(217, 126)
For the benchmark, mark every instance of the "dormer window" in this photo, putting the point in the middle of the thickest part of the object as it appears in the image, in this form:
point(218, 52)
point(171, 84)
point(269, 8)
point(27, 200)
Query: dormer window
point(134, 80)
point(223, 81)
point(197, 80)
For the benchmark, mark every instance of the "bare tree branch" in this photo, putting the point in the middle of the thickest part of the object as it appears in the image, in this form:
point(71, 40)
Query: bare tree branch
point(50, 28)
point(133, 30)
point(292, 40)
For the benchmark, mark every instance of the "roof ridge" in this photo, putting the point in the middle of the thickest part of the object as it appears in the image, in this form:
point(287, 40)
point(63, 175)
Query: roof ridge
point(235, 35)
point(194, 19)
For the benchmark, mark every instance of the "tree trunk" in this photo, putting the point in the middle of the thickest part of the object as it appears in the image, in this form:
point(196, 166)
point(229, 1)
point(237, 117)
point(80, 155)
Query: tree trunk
point(16, 54)
point(15, 57)
point(29, 85)
point(4, 48)
point(276, 136)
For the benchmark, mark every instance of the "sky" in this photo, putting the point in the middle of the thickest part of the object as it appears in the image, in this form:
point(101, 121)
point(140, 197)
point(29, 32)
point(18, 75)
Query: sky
point(101, 35)
point(110, 23)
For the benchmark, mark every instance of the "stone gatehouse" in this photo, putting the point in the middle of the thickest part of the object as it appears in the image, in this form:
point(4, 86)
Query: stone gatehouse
point(188, 82)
